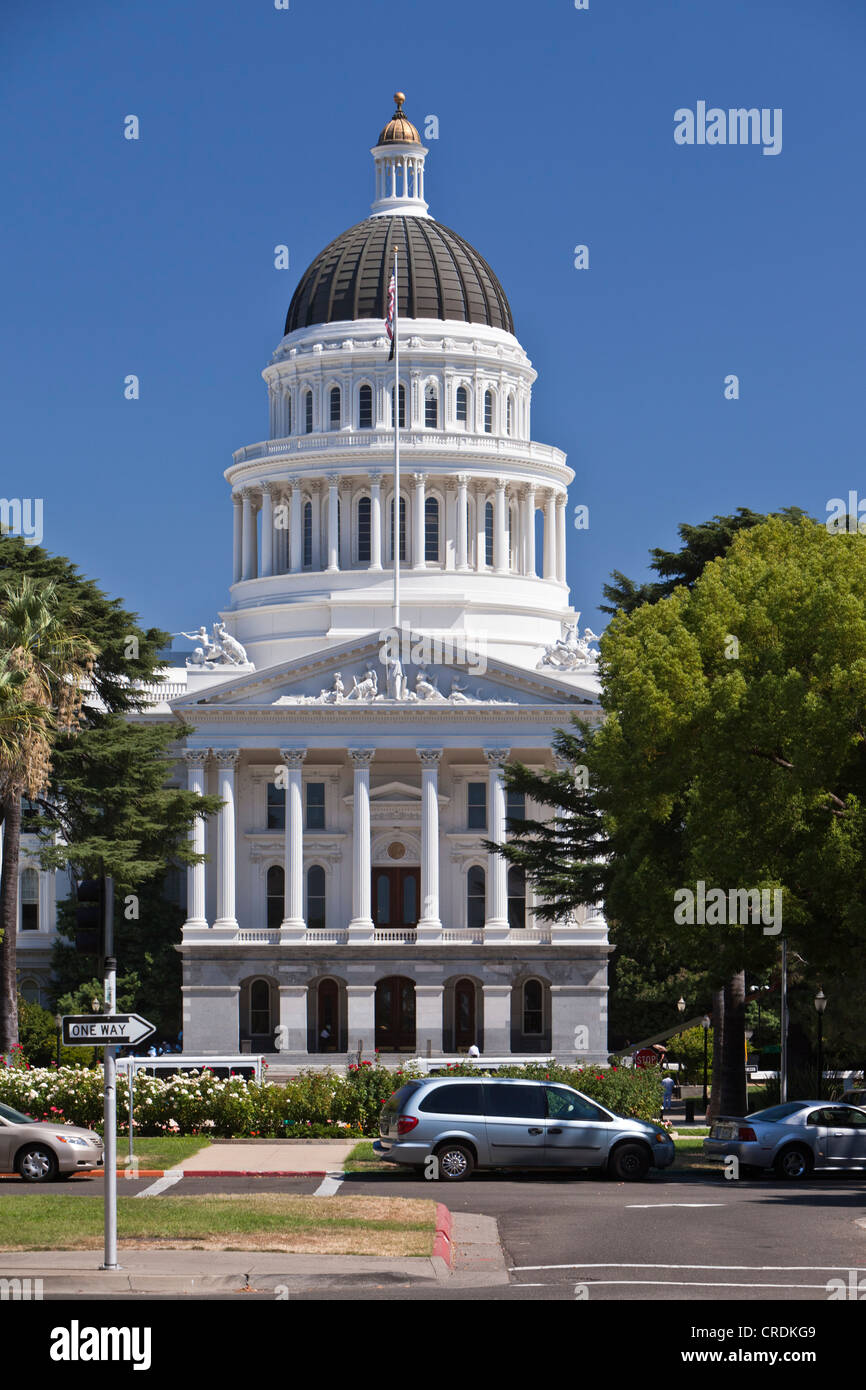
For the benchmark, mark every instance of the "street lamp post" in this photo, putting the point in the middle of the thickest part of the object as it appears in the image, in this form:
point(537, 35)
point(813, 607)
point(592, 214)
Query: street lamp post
point(705, 1024)
point(820, 1006)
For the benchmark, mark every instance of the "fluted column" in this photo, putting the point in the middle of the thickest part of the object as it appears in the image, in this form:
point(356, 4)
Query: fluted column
point(429, 924)
point(462, 538)
point(361, 925)
point(296, 547)
point(560, 537)
point(419, 561)
point(316, 499)
point(345, 527)
point(529, 551)
point(237, 538)
point(249, 535)
point(333, 535)
point(480, 530)
point(293, 924)
point(267, 529)
point(496, 921)
point(375, 521)
point(227, 761)
point(196, 914)
point(550, 536)
point(500, 537)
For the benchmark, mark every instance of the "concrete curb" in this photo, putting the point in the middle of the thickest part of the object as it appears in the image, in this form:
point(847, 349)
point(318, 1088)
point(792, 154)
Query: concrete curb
point(443, 1245)
point(214, 1173)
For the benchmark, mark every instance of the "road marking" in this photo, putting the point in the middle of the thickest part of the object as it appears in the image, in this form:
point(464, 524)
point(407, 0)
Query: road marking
point(329, 1185)
point(643, 1206)
point(675, 1284)
point(745, 1269)
point(162, 1184)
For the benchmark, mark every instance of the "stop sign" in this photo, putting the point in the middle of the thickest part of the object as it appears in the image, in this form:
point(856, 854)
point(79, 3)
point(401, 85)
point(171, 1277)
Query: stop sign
point(646, 1057)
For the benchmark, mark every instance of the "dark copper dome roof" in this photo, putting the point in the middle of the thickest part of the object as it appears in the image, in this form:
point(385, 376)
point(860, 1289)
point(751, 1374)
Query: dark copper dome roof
point(440, 277)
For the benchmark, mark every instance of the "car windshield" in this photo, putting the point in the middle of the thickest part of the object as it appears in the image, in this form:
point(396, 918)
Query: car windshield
point(14, 1116)
point(777, 1112)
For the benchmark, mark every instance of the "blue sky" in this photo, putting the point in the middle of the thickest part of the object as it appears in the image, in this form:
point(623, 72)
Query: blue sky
point(155, 257)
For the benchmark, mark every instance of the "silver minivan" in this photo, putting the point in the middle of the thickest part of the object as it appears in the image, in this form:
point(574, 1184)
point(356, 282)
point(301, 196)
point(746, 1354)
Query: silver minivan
point(503, 1122)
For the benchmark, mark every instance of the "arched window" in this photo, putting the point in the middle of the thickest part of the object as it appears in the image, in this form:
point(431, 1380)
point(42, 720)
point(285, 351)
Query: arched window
point(464, 1014)
point(316, 897)
point(533, 1010)
point(364, 514)
point(336, 409)
point(488, 412)
point(328, 1016)
point(402, 407)
point(29, 900)
point(431, 407)
point(308, 534)
point(509, 415)
point(488, 533)
point(276, 893)
point(431, 529)
point(365, 408)
point(29, 991)
point(462, 405)
point(402, 528)
point(476, 891)
point(260, 1008)
point(308, 412)
point(288, 413)
point(516, 897)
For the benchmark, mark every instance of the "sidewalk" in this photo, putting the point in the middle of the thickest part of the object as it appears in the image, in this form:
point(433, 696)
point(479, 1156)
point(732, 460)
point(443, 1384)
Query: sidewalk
point(283, 1158)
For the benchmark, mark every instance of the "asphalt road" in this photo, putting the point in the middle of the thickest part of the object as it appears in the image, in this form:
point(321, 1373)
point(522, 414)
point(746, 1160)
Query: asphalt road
point(679, 1236)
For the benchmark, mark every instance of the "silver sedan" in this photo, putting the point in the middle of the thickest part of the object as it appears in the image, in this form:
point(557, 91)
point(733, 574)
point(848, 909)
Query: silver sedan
point(794, 1139)
point(41, 1152)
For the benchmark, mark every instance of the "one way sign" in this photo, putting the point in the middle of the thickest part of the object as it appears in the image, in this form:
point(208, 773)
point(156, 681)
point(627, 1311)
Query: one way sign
point(105, 1030)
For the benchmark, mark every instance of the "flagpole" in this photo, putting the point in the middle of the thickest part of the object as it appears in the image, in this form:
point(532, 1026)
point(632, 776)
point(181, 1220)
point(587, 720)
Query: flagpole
point(397, 508)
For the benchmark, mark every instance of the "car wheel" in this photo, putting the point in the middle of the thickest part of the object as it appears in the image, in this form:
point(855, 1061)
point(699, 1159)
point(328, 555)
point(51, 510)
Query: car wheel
point(456, 1162)
point(793, 1162)
point(37, 1164)
point(629, 1163)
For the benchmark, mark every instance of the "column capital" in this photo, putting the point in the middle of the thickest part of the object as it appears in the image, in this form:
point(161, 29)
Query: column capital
point(293, 757)
point(419, 478)
point(462, 479)
point(361, 757)
point(237, 499)
point(226, 757)
point(497, 757)
point(295, 484)
point(195, 757)
point(333, 479)
point(375, 476)
point(269, 488)
point(429, 756)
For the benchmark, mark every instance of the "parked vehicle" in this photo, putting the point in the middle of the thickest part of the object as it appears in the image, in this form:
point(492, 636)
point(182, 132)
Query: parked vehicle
point(43, 1152)
point(794, 1139)
point(502, 1122)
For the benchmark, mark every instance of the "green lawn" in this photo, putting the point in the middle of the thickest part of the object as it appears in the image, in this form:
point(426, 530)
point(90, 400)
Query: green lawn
point(161, 1152)
point(348, 1225)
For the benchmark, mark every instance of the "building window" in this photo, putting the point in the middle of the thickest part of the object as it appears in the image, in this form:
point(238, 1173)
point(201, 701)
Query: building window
point(276, 807)
point(476, 818)
point(29, 816)
point(29, 992)
point(462, 405)
point(260, 1008)
point(336, 411)
point(288, 413)
point(316, 897)
point(402, 528)
point(431, 530)
point(402, 425)
point(308, 412)
point(431, 408)
point(515, 805)
point(276, 895)
point(365, 408)
point(533, 1013)
point(509, 415)
point(511, 530)
point(308, 535)
point(516, 897)
point(488, 533)
point(364, 514)
point(488, 412)
point(476, 889)
point(29, 900)
point(315, 805)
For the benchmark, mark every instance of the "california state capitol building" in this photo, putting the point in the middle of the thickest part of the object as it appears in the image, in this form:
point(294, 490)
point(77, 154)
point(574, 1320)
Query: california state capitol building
point(348, 902)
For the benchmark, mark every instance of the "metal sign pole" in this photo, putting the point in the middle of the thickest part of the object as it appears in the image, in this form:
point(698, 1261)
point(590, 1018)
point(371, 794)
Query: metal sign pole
point(783, 1040)
point(110, 1077)
point(130, 1076)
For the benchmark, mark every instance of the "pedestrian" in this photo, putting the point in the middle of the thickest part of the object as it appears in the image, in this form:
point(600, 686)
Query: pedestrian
point(473, 1051)
point(668, 1085)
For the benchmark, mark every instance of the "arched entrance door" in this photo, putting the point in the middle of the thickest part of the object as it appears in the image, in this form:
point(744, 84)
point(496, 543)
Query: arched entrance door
point(464, 1015)
point(328, 1016)
point(395, 1014)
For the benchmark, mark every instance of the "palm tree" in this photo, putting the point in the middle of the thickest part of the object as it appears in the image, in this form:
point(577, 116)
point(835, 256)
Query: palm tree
point(44, 670)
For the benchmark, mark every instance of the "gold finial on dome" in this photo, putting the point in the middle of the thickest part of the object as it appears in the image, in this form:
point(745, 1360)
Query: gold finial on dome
point(399, 97)
point(399, 130)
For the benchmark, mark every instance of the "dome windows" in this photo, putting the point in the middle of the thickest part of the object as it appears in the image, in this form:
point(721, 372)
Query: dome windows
point(365, 408)
point(336, 408)
point(488, 412)
point(431, 407)
point(308, 412)
point(364, 522)
point(402, 407)
point(431, 530)
point(462, 406)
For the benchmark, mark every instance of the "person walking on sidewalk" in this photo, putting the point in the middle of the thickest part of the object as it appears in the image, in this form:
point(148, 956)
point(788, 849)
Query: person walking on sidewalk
point(668, 1085)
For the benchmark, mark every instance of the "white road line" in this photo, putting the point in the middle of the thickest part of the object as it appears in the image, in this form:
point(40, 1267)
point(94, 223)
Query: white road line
point(675, 1284)
point(644, 1206)
point(329, 1185)
point(162, 1184)
point(744, 1269)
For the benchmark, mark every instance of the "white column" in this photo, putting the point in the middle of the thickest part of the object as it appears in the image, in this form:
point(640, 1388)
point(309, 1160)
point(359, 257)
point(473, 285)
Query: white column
point(560, 537)
point(550, 536)
point(333, 557)
point(462, 538)
point(296, 548)
point(530, 532)
point(346, 526)
point(227, 761)
point(237, 538)
point(418, 560)
point(267, 529)
point(249, 536)
point(429, 924)
point(361, 925)
point(196, 916)
point(496, 922)
point(500, 534)
point(361, 1001)
point(375, 521)
point(480, 530)
point(293, 925)
point(316, 499)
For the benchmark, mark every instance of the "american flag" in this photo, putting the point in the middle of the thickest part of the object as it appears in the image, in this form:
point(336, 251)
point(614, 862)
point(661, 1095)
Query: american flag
point(389, 322)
